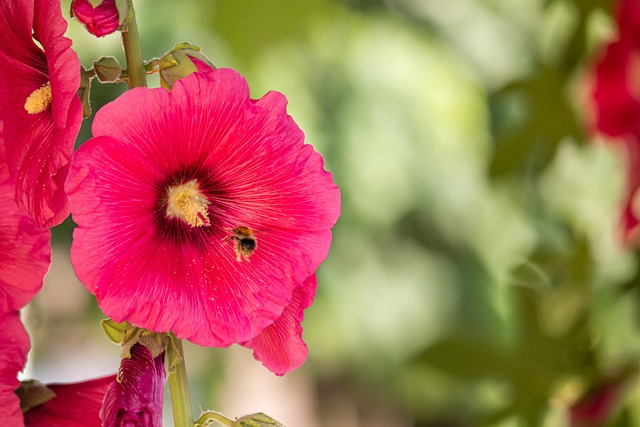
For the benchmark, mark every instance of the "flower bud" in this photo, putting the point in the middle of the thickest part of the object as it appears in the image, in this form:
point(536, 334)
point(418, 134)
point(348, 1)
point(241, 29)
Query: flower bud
point(135, 398)
point(100, 17)
point(181, 61)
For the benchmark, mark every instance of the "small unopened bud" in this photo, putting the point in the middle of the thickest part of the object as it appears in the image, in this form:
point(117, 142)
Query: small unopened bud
point(100, 17)
point(181, 61)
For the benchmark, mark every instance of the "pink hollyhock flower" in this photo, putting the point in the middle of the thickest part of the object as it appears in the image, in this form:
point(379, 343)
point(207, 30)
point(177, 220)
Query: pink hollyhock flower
point(616, 101)
point(99, 21)
point(14, 346)
point(26, 250)
point(199, 210)
point(74, 405)
point(40, 108)
point(135, 398)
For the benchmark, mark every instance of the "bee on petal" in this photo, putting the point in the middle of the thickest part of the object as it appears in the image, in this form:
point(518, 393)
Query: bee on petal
point(245, 242)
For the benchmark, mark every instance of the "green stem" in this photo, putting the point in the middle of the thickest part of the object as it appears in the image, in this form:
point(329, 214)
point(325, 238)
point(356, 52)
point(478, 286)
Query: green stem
point(137, 76)
point(179, 387)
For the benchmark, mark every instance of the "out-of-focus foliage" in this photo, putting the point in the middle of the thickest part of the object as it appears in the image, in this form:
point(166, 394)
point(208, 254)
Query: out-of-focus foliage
point(476, 275)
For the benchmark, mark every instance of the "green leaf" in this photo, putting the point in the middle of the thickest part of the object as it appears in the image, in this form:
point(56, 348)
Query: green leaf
point(258, 419)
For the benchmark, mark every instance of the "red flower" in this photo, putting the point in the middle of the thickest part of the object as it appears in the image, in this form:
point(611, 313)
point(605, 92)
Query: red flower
point(199, 210)
point(99, 21)
point(135, 398)
point(74, 405)
point(39, 105)
point(616, 97)
point(14, 345)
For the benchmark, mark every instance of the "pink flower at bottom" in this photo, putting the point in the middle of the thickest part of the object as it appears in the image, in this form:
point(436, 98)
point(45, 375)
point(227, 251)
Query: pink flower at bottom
point(135, 398)
point(200, 211)
point(14, 346)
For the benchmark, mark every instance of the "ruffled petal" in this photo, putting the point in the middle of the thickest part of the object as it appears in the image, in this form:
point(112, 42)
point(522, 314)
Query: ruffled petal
point(279, 346)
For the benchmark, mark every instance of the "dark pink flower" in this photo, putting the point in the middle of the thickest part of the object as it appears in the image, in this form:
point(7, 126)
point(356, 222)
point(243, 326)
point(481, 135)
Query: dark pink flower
point(280, 346)
point(26, 249)
point(135, 398)
point(199, 210)
point(74, 405)
point(14, 346)
point(38, 104)
point(616, 102)
point(99, 21)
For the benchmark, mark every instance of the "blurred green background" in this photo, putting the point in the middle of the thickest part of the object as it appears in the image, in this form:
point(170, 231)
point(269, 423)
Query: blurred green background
point(476, 276)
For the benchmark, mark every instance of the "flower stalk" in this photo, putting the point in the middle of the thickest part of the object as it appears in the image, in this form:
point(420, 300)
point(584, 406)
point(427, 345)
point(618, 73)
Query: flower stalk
point(179, 388)
point(136, 73)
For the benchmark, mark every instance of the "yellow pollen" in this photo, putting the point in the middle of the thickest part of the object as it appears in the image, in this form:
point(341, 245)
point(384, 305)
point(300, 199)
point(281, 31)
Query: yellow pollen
point(39, 99)
point(187, 203)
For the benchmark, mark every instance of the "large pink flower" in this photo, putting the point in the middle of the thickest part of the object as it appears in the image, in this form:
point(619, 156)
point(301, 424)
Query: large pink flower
point(199, 210)
point(14, 345)
point(616, 102)
point(39, 105)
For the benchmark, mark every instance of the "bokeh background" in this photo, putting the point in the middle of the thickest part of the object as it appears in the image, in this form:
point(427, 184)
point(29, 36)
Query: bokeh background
point(477, 276)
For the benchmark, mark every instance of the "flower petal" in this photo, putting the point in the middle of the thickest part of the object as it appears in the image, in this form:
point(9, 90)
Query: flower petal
point(75, 405)
point(279, 346)
point(14, 345)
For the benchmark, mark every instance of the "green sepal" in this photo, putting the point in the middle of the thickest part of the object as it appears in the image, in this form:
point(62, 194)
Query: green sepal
point(95, 3)
point(108, 69)
point(33, 393)
point(84, 92)
point(258, 419)
point(126, 336)
point(172, 357)
point(123, 10)
point(114, 331)
point(177, 63)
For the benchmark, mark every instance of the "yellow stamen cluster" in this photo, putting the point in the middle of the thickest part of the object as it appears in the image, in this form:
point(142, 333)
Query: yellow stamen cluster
point(39, 99)
point(186, 202)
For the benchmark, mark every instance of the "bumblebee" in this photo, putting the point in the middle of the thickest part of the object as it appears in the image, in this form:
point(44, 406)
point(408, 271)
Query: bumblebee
point(245, 242)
